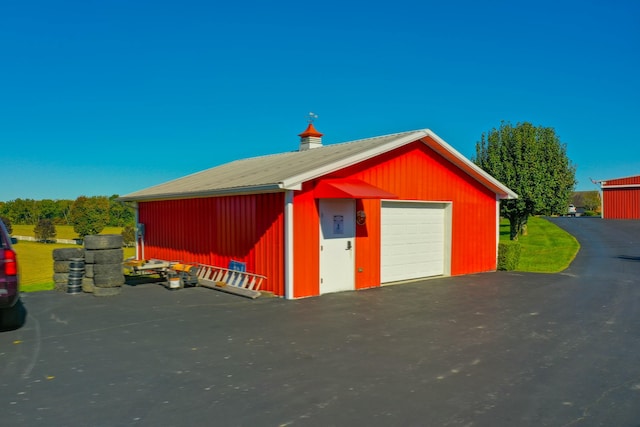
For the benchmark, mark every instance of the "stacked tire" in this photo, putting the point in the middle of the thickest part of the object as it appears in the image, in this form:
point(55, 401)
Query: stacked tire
point(62, 260)
point(103, 256)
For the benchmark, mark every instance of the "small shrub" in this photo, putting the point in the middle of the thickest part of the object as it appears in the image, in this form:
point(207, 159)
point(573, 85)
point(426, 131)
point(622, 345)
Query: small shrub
point(45, 230)
point(129, 236)
point(508, 255)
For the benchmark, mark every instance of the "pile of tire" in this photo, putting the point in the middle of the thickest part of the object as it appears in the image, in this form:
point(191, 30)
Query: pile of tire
point(62, 259)
point(103, 255)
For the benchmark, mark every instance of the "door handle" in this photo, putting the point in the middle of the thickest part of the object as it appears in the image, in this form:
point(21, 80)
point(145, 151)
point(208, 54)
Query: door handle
point(348, 245)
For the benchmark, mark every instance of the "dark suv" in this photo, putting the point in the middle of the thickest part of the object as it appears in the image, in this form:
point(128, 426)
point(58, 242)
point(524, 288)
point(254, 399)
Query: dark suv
point(10, 312)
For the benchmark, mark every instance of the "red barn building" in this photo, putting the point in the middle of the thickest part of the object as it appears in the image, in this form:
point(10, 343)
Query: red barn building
point(331, 218)
point(621, 198)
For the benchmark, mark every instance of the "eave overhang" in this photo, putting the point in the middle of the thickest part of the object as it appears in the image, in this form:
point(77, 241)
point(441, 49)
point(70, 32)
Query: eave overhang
point(348, 188)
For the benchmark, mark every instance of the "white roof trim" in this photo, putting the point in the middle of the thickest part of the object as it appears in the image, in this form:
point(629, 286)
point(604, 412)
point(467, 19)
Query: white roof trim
point(605, 186)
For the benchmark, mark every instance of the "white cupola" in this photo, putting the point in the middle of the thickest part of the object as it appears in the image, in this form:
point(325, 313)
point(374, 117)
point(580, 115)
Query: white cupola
point(310, 138)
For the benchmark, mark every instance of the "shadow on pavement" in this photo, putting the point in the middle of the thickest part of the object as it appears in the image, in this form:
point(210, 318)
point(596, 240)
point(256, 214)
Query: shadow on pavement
point(629, 258)
point(13, 318)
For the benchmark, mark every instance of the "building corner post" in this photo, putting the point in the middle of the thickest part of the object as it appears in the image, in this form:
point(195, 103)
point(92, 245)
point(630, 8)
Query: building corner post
point(497, 229)
point(288, 245)
point(136, 218)
point(601, 195)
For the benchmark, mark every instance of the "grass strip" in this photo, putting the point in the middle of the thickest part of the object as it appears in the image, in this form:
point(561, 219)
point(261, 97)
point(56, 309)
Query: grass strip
point(546, 248)
point(62, 231)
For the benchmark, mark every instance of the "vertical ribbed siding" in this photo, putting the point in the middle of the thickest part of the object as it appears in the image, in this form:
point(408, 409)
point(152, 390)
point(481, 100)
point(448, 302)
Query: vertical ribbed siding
point(216, 230)
point(621, 203)
point(368, 245)
point(269, 249)
point(306, 246)
point(630, 180)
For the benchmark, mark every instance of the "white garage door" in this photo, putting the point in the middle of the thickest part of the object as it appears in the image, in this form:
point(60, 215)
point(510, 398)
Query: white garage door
point(412, 240)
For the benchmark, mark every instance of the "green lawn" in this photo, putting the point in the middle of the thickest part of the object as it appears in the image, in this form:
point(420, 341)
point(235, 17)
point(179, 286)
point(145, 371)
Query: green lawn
point(35, 260)
point(546, 249)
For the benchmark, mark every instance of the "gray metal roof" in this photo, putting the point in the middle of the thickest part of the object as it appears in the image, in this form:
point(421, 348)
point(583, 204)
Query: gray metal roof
point(279, 172)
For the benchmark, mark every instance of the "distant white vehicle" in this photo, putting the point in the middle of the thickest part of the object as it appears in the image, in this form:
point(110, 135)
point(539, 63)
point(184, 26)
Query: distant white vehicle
point(572, 210)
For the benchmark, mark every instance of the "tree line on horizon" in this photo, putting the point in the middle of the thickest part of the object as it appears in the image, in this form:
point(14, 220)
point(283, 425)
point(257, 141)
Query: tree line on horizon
point(87, 215)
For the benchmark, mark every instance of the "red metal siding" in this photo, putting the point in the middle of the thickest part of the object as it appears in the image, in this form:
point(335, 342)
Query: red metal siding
point(368, 245)
point(306, 246)
point(269, 251)
point(216, 230)
point(621, 203)
point(630, 180)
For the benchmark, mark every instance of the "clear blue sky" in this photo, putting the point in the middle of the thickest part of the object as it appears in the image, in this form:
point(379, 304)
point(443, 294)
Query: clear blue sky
point(109, 97)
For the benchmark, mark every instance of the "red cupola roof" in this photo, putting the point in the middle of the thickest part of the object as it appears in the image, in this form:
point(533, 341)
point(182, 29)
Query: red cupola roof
point(310, 131)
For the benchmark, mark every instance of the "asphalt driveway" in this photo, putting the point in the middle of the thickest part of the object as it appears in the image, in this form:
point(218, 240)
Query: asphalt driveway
point(494, 349)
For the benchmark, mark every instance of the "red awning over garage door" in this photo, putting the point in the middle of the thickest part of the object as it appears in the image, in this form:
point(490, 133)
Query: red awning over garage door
point(346, 188)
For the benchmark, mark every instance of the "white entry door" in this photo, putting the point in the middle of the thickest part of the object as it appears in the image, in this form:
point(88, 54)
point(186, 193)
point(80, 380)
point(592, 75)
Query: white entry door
point(337, 245)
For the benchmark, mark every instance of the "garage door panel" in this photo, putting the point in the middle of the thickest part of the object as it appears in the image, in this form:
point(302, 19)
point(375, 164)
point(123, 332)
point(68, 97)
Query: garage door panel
point(413, 240)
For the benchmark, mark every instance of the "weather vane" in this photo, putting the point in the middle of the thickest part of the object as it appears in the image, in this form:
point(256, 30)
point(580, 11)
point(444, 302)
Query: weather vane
point(312, 116)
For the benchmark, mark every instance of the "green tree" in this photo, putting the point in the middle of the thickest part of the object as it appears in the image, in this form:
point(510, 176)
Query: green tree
point(531, 161)
point(89, 215)
point(47, 208)
point(23, 211)
point(45, 230)
point(63, 209)
point(591, 201)
point(120, 214)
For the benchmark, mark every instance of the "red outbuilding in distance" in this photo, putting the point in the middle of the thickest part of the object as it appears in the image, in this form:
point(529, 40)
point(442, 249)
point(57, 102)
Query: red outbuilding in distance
point(620, 197)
